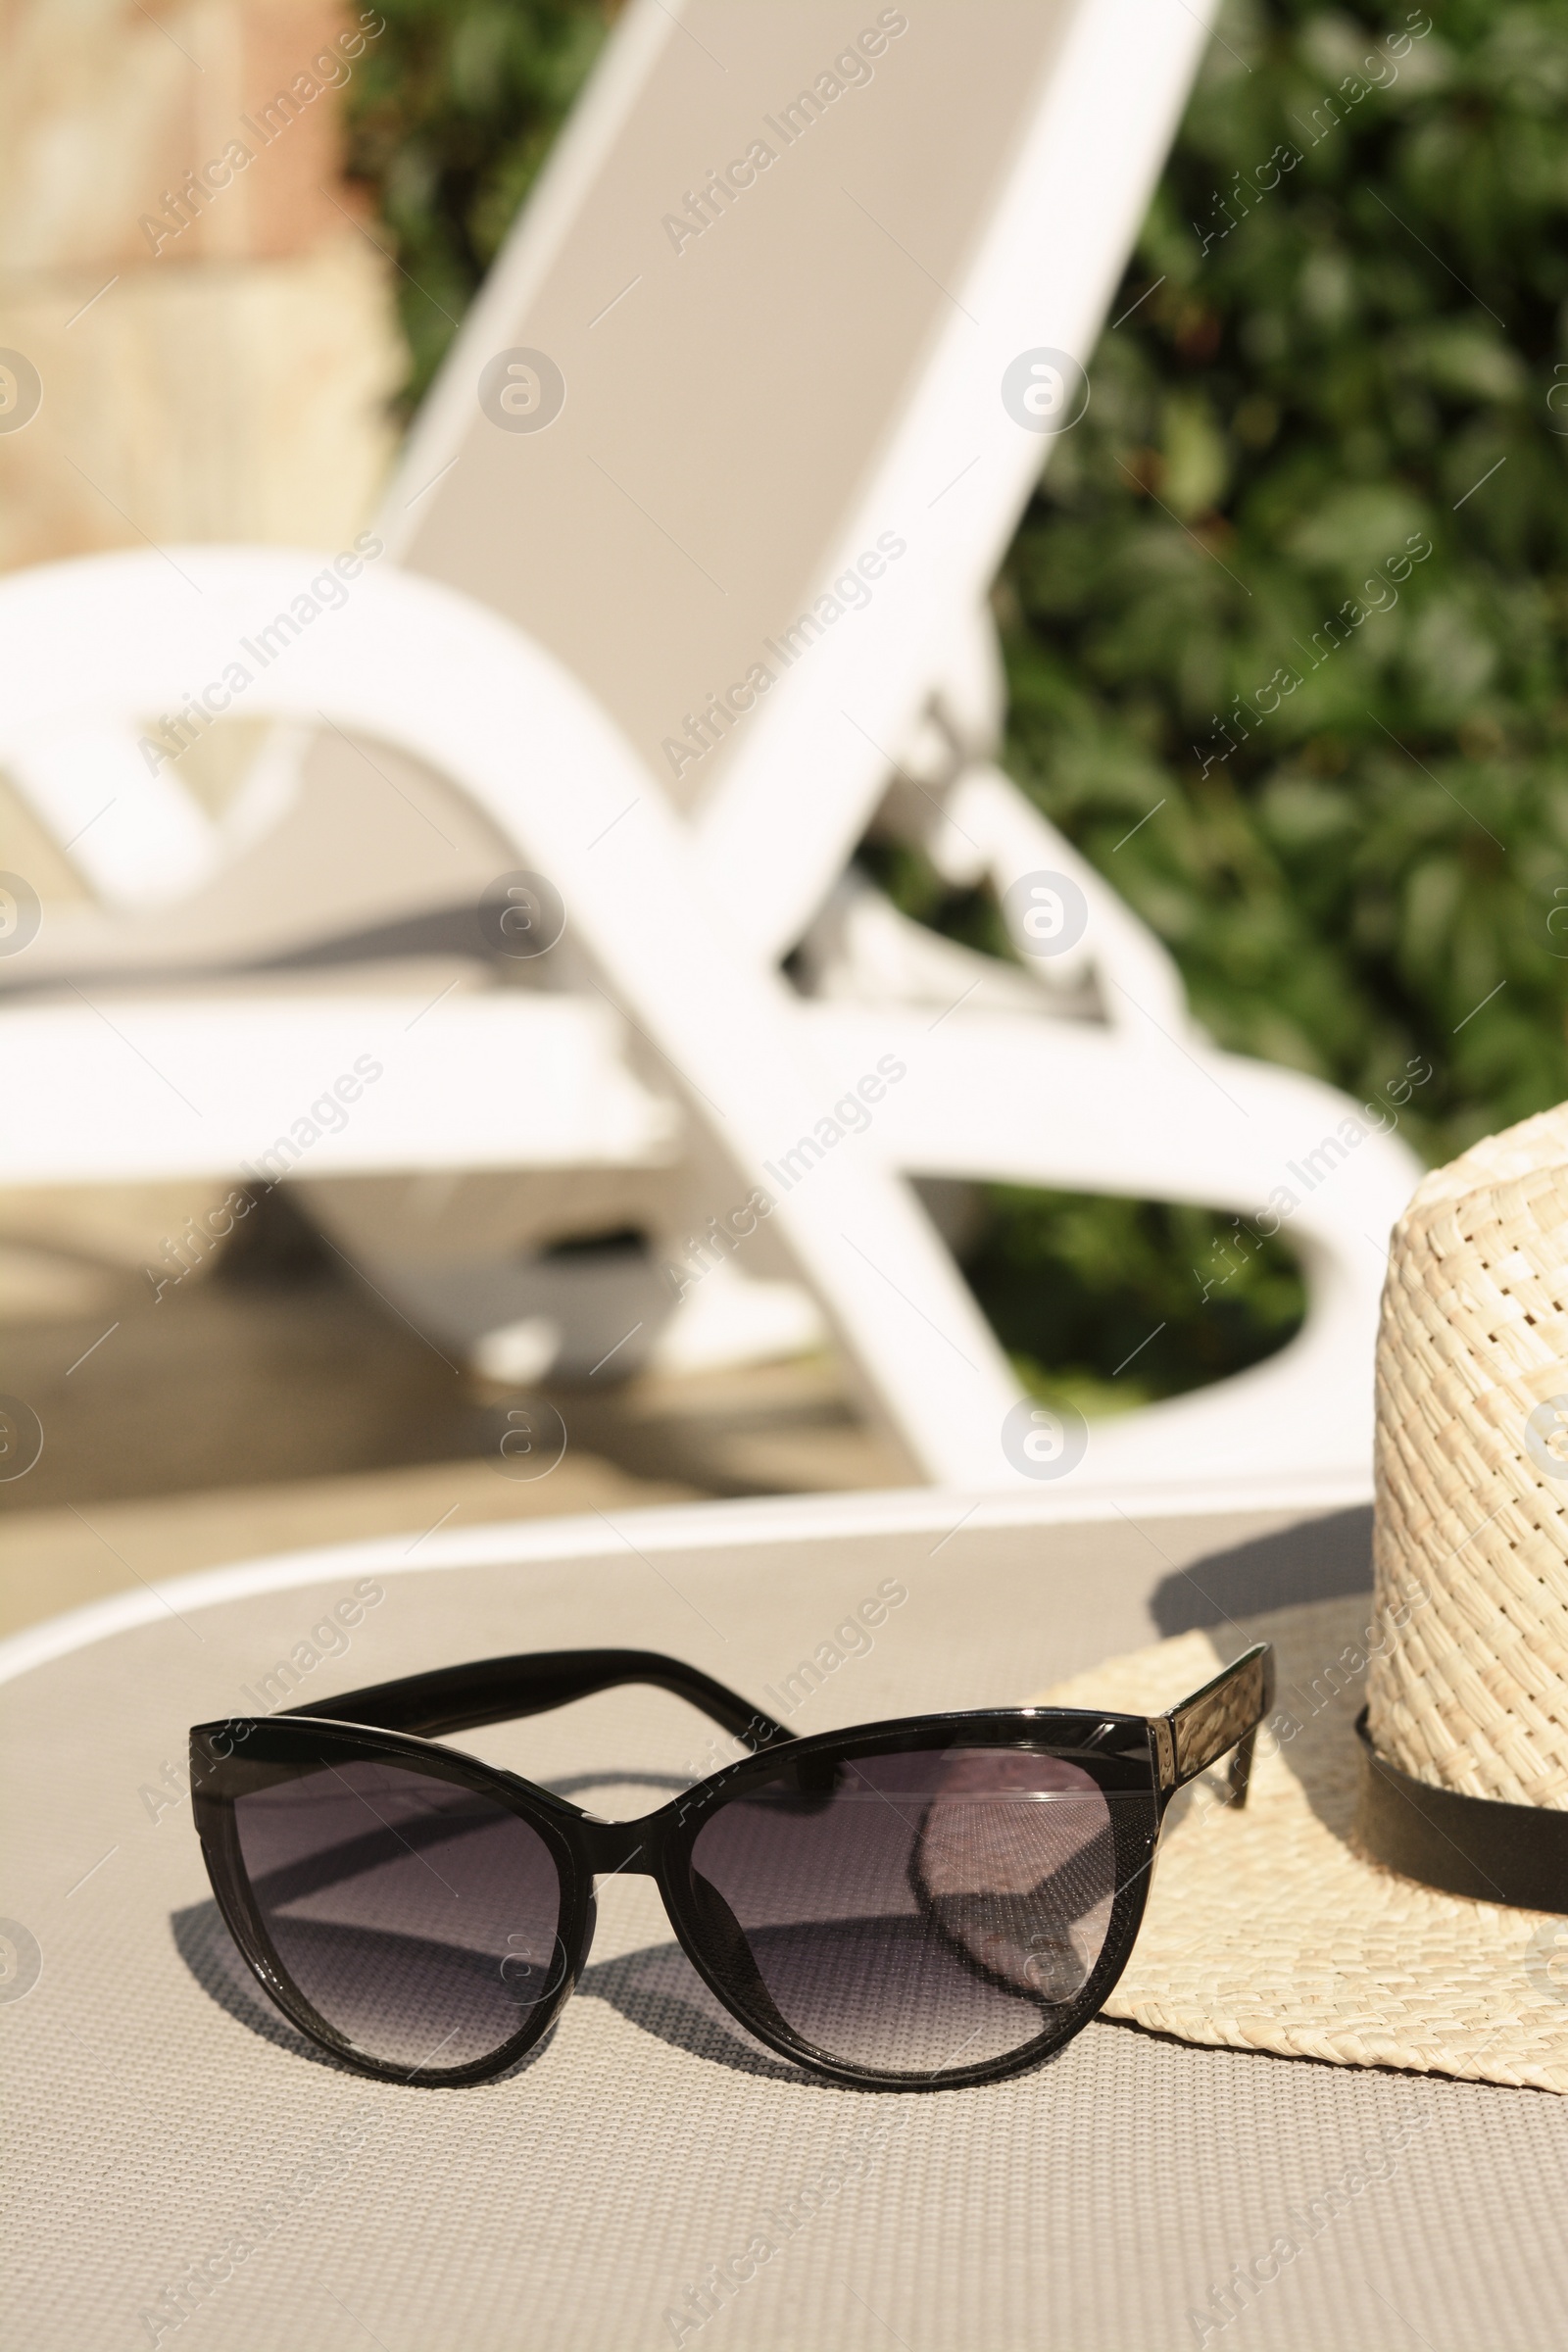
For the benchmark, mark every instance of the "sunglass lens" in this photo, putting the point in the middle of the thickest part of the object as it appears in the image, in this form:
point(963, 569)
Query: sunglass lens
point(916, 1913)
point(418, 1918)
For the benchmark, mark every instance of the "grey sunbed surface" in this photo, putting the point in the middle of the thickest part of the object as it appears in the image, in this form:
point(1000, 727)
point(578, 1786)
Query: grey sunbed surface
point(159, 2109)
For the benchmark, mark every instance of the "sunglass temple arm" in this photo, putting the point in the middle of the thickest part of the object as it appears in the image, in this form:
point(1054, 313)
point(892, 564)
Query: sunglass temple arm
point(1223, 1715)
point(457, 1699)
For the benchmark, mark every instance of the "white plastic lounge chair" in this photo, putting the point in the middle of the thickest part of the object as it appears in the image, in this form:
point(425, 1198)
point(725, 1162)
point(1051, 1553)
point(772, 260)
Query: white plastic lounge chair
point(923, 452)
point(414, 666)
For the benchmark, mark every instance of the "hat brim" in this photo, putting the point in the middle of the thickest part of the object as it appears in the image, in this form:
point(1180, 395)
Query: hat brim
point(1266, 1929)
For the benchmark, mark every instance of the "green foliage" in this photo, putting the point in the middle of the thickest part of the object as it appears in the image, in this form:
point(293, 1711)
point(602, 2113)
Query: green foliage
point(1319, 376)
point(1345, 346)
point(1343, 337)
point(1109, 1304)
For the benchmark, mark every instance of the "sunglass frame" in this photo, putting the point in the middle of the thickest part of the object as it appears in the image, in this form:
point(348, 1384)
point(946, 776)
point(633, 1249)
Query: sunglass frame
point(1137, 1761)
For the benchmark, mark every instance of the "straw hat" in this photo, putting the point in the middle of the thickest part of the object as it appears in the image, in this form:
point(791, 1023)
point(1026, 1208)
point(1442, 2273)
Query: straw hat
point(1399, 1898)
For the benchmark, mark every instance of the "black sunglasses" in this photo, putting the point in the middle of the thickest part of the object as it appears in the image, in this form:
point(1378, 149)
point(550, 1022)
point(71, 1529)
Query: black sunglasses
point(905, 1906)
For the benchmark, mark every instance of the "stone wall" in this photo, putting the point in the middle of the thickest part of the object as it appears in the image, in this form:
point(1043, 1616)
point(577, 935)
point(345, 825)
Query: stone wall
point(212, 365)
point(210, 325)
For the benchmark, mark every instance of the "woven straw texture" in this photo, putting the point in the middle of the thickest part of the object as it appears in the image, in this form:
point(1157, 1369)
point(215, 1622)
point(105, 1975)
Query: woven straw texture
point(1471, 1543)
point(153, 2107)
point(1266, 1930)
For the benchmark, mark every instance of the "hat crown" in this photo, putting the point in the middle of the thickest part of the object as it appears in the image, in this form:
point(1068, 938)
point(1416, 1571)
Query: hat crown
point(1468, 1686)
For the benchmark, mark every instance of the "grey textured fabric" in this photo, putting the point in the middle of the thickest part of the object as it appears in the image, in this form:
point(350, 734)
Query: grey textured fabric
point(163, 2116)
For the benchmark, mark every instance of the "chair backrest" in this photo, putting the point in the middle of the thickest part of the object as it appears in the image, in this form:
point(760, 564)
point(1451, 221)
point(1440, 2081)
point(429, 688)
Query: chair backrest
point(771, 283)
